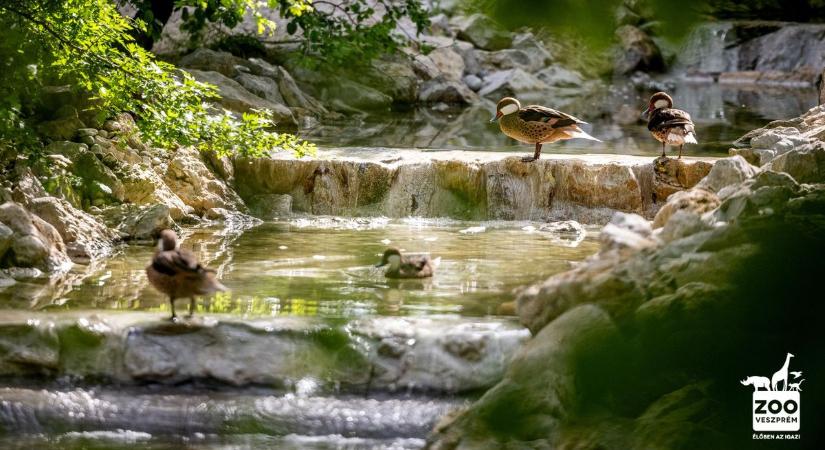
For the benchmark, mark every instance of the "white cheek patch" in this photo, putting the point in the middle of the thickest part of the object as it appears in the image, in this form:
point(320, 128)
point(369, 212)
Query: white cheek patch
point(661, 104)
point(509, 109)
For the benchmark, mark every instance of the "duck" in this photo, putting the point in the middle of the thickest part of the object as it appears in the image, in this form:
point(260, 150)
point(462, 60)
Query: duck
point(407, 266)
point(537, 125)
point(668, 125)
point(177, 273)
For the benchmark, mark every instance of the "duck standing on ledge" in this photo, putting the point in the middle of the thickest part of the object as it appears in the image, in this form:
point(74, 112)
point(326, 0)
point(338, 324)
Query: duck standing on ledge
point(401, 266)
point(537, 125)
point(669, 126)
point(178, 274)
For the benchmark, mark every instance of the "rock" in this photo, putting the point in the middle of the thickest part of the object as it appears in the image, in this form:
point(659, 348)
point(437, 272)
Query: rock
point(263, 87)
point(394, 77)
point(354, 96)
point(511, 83)
point(637, 52)
point(448, 62)
point(122, 124)
point(470, 55)
point(236, 98)
point(534, 48)
point(145, 187)
point(99, 181)
point(71, 150)
point(510, 59)
point(60, 129)
point(557, 76)
point(805, 164)
point(626, 231)
point(673, 175)
point(86, 239)
point(6, 239)
point(270, 206)
point(189, 178)
point(473, 82)
point(294, 96)
point(482, 32)
point(726, 172)
point(697, 201)
point(34, 243)
point(446, 91)
point(204, 59)
point(143, 223)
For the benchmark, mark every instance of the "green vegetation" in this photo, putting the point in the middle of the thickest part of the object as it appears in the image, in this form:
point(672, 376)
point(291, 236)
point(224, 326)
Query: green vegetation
point(328, 32)
point(88, 45)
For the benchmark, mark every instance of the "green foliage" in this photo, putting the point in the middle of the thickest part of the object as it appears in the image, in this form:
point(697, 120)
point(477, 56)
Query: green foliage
point(88, 44)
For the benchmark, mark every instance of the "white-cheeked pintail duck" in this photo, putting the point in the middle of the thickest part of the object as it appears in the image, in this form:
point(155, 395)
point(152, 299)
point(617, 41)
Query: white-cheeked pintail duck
point(668, 125)
point(537, 125)
point(407, 266)
point(177, 273)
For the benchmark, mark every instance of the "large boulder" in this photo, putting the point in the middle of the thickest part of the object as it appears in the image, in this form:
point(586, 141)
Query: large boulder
point(138, 222)
point(482, 32)
point(235, 97)
point(145, 187)
point(86, 239)
point(726, 172)
point(637, 51)
point(34, 242)
point(512, 83)
point(448, 91)
point(204, 59)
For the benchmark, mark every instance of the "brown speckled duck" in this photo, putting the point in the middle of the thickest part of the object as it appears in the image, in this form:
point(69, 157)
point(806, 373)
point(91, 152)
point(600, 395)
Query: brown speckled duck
point(404, 266)
point(537, 125)
point(669, 126)
point(178, 274)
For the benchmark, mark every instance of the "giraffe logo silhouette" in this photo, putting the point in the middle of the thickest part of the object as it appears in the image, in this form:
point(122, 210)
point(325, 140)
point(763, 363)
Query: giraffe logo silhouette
point(776, 399)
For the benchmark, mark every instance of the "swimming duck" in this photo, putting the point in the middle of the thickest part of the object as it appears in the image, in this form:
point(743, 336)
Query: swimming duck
point(178, 274)
point(669, 126)
point(400, 266)
point(537, 125)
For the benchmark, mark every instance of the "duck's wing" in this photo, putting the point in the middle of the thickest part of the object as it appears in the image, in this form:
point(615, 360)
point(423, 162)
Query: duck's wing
point(416, 265)
point(556, 119)
point(176, 263)
point(662, 119)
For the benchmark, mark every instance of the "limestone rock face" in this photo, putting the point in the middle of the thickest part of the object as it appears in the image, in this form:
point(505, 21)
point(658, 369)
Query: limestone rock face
point(637, 51)
point(139, 222)
point(33, 242)
point(196, 185)
point(698, 201)
point(512, 83)
point(726, 172)
point(672, 174)
point(145, 187)
point(446, 91)
point(85, 237)
point(461, 184)
point(204, 59)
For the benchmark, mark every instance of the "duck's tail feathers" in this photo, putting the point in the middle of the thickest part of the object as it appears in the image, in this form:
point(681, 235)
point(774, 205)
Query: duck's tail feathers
point(436, 262)
point(578, 133)
point(690, 138)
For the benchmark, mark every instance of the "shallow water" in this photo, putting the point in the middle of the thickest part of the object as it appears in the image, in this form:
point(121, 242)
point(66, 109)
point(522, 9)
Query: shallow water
point(325, 267)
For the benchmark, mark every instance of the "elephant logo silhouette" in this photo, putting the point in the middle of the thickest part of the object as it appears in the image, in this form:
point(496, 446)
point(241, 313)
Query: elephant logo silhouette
point(776, 400)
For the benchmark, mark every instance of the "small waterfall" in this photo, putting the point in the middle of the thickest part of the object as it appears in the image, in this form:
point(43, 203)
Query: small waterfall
point(707, 49)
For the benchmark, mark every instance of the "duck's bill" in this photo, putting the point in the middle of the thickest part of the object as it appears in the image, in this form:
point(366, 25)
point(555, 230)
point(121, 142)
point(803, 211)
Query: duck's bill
point(380, 264)
point(496, 117)
point(644, 114)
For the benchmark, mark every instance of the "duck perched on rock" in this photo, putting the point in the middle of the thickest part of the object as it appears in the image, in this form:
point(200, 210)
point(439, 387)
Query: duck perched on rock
point(669, 126)
point(537, 125)
point(403, 266)
point(178, 274)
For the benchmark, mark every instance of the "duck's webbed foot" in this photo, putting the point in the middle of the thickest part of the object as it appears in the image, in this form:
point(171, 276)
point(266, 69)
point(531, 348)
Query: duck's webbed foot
point(528, 159)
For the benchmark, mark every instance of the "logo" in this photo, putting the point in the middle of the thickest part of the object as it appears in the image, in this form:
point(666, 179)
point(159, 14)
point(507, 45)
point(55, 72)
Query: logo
point(776, 403)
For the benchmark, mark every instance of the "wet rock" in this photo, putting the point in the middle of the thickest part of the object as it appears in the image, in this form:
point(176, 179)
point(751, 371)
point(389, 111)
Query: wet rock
point(34, 243)
point(637, 51)
point(697, 201)
point(726, 172)
point(85, 237)
point(446, 91)
point(143, 223)
point(511, 83)
point(294, 96)
point(482, 32)
point(196, 186)
point(455, 184)
point(236, 98)
point(270, 206)
point(204, 59)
